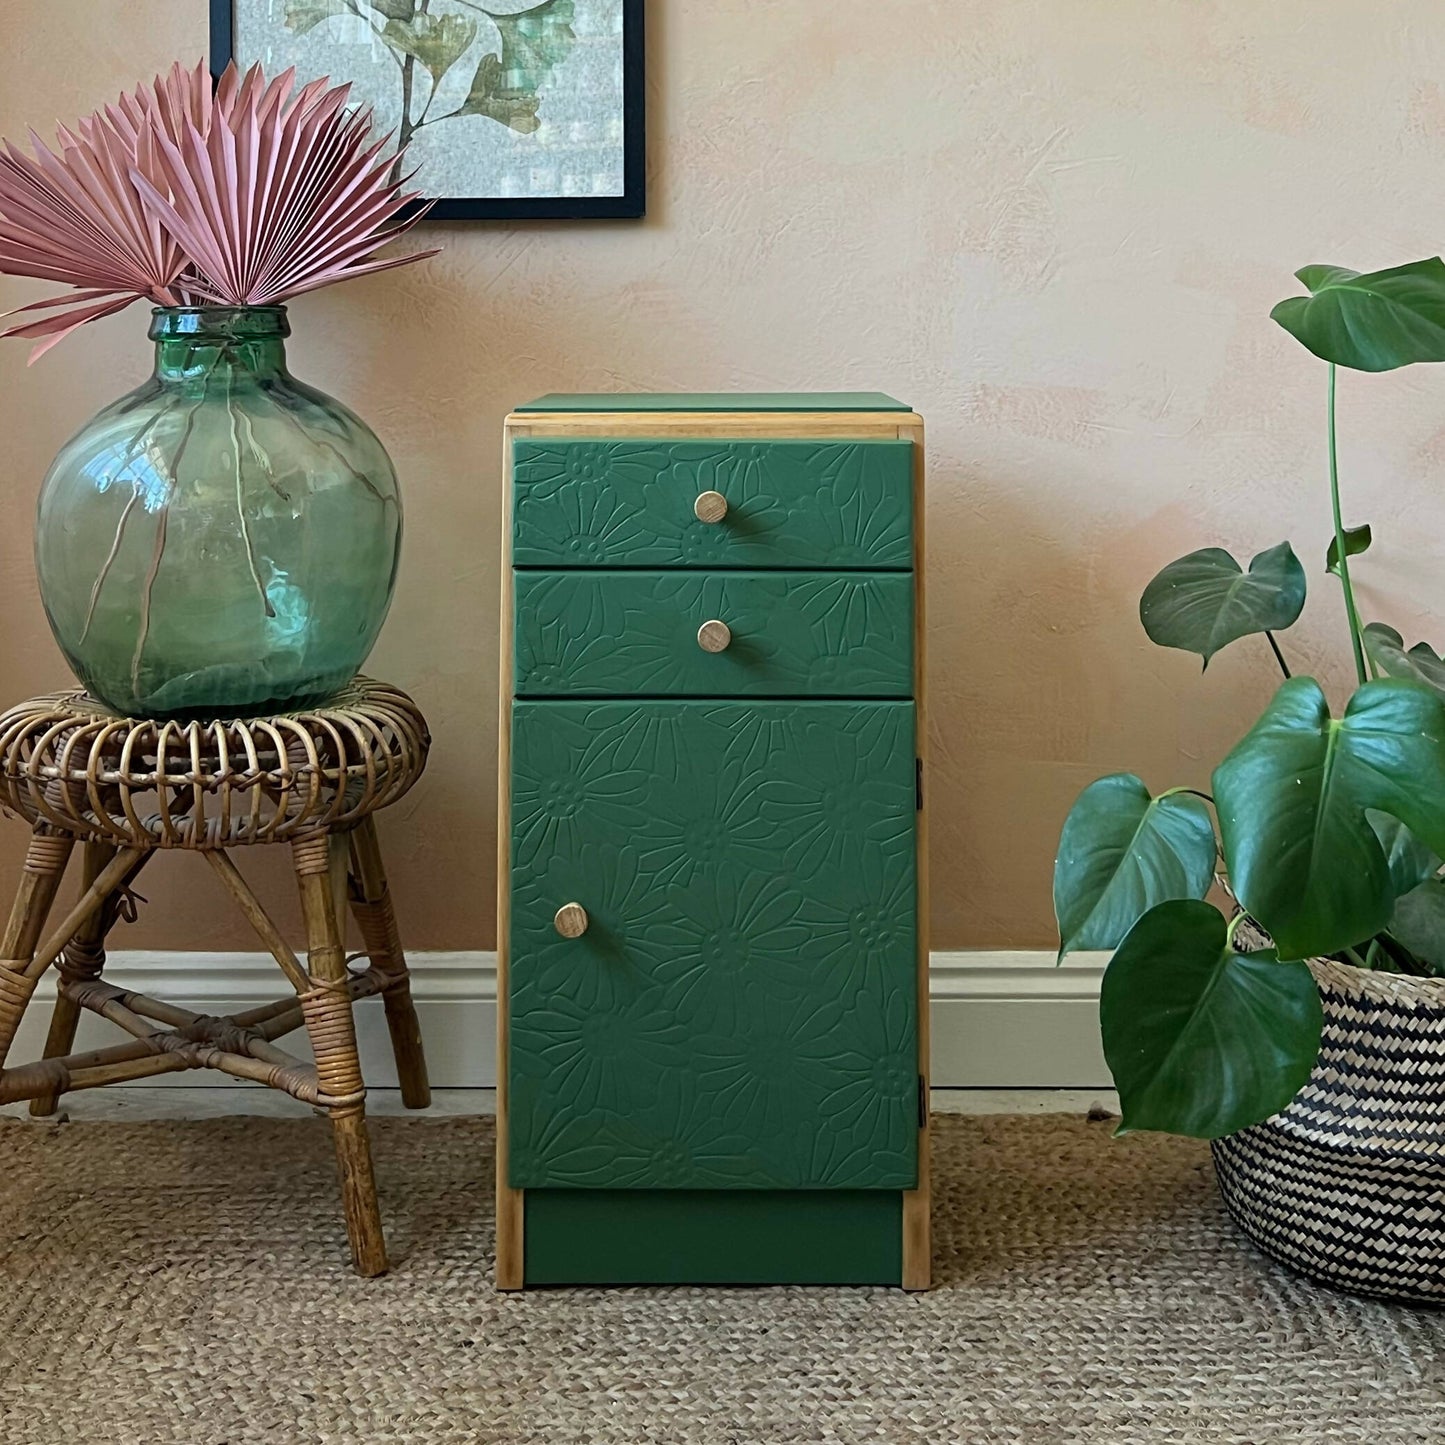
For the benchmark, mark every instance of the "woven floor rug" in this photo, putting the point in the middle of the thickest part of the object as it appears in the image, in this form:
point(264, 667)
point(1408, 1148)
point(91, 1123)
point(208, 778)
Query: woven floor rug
point(187, 1283)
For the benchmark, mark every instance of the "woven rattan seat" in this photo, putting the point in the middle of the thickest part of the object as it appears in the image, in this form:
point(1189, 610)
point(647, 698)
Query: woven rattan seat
point(136, 782)
point(121, 789)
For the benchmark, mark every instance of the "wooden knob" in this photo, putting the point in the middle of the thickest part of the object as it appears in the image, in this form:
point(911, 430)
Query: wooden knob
point(710, 507)
point(714, 636)
point(571, 920)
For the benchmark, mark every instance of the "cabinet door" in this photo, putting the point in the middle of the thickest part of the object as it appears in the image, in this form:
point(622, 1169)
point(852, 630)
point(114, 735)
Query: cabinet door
point(741, 1011)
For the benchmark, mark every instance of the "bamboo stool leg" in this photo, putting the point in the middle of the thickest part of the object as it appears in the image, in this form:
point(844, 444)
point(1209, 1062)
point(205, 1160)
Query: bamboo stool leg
point(84, 958)
point(332, 1030)
point(371, 904)
point(40, 877)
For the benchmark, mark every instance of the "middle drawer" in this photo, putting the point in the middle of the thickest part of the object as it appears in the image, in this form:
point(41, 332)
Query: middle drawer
point(605, 633)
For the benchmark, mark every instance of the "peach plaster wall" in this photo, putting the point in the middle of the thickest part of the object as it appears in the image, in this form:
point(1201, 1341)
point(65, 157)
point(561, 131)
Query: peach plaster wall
point(1055, 227)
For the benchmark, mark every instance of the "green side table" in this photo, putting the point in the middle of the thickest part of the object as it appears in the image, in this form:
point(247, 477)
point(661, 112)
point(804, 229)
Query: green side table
point(713, 958)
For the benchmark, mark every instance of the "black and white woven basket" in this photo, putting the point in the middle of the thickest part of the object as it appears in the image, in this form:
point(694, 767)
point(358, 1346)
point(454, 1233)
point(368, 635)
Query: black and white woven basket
point(1347, 1185)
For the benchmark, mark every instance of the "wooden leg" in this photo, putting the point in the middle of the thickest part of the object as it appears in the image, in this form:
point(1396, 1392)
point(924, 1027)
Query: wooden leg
point(45, 862)
point(371, 904)
point(332, 1029)
point(84, 958)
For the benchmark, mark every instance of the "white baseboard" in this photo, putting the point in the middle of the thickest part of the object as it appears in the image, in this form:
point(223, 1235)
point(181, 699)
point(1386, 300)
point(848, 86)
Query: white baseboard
point(1015, 1020)
point(1000, 1019)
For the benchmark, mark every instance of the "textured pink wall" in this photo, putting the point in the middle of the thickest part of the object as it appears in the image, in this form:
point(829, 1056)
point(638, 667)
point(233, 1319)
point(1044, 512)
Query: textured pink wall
point(1054, 226)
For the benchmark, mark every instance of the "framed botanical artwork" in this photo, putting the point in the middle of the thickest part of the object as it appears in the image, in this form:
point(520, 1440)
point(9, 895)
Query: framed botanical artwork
point(510, 109)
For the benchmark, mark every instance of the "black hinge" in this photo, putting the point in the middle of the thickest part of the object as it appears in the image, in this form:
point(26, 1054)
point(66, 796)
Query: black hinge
point(922, 1102)
point(918, 784)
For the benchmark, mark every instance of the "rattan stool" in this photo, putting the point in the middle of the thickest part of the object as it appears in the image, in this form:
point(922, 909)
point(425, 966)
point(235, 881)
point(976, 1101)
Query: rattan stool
point(125, 787)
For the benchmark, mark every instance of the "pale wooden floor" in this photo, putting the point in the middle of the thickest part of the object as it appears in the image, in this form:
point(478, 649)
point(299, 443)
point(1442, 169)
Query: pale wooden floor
point(134, 1103)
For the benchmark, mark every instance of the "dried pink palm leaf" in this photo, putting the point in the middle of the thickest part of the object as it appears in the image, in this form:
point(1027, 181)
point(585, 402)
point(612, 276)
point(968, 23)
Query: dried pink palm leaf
point(54, 329)
point(76, 215)
point(168, 100)
point(283, 193)
point(244, 195)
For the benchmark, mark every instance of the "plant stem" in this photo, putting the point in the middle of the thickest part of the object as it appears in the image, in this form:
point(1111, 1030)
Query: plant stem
point(1352, 616)
point(132, 449)
point(325, 446)
point(407, 127)
point(1279, 656)
point(250, 546)
point(261, 459)
point(376, 30)
point(162, 517)
point(159, 550)
point(1170, 792)
point(115, 543)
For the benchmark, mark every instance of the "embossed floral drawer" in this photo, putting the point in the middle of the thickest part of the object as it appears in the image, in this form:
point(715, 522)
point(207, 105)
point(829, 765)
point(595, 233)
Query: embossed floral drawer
point(740, 1011)
point(716, 503)
point(719, 633)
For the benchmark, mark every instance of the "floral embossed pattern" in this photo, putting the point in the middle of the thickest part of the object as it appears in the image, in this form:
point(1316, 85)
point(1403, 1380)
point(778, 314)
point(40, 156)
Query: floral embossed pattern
point(741, 1011)
point(610, 632)
point(839, 504)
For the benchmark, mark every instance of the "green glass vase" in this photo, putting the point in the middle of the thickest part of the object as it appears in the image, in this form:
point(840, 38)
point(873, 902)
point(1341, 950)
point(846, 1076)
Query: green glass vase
point(224, 539)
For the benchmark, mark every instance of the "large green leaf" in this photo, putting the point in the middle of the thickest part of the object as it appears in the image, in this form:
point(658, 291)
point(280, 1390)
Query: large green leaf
point(1372, 322)
point(394, 9)
point(1203, 1040)
point(1357, 540)
point(1386, 649)
point(1292, 798)
point(304, 15)
point(438, 41)
point(1419, 923)
point(1203, 601)
point(1122, 852)
point(1410, 862)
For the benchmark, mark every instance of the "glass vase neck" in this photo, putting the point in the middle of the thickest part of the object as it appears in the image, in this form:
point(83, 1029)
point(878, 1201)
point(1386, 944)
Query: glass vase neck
point(197, 343)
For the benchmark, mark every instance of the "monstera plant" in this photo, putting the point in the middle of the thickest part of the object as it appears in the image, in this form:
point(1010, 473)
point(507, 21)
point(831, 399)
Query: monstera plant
point(1326, 826)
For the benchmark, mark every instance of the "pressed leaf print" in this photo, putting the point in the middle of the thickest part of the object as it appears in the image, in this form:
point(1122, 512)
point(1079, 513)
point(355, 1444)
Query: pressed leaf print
point(507, 87)
point(438, 41)
point(510, 56)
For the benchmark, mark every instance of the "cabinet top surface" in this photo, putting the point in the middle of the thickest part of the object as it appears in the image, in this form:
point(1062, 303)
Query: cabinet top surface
point(634, 401)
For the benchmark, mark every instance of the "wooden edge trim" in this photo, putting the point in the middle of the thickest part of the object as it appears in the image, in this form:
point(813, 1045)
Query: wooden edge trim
point(510, 1212)
point(918, 1203)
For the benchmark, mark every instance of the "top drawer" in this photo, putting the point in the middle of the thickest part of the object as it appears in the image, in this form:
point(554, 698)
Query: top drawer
point(634, 503)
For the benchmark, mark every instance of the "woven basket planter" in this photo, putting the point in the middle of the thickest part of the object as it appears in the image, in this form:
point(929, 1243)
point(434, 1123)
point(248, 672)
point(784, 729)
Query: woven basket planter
point(1347, 1184)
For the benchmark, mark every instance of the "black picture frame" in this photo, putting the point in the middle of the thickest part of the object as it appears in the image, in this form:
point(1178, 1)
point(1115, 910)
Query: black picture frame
point(630, 205)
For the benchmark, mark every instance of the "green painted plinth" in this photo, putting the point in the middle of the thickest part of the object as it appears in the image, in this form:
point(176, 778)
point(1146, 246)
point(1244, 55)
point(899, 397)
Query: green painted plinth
point(722, 1236)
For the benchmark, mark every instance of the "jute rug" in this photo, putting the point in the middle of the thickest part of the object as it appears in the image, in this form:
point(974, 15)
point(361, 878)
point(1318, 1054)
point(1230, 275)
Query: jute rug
point(187, 1282)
